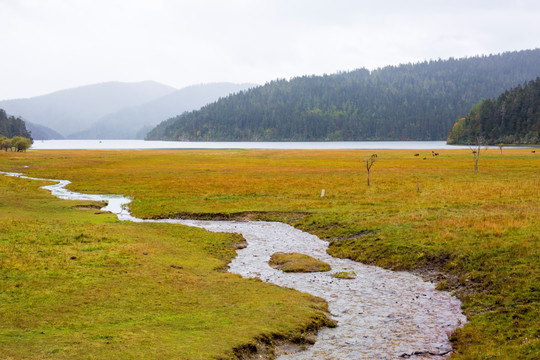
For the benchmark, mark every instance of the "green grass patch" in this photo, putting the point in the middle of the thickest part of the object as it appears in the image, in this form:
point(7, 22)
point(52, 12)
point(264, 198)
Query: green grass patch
point(79, 285)
point(349, 275)
point(295, 262)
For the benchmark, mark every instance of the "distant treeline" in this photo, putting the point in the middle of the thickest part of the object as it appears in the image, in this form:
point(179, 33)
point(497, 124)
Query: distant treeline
point(512, 118)
point(12, 126)
point(407, 102)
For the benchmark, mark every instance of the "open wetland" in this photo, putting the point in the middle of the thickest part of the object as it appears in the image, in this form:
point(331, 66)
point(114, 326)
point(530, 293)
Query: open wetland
point(471, 233)
point(380, 314)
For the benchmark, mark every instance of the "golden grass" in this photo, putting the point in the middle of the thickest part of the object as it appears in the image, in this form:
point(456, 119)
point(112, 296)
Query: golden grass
point(295, 262)
point(79, 285)
point(345, 275)
point(481, 230)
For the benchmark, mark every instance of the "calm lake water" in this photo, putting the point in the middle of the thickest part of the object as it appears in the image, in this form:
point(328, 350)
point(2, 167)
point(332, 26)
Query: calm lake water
point(141, 144)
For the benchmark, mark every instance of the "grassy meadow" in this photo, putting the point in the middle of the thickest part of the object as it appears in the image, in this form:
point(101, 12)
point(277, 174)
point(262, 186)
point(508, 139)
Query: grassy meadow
point(76, 284)
point(476, 234)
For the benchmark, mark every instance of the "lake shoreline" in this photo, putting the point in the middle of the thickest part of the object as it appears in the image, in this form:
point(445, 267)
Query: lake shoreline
point(221, 145)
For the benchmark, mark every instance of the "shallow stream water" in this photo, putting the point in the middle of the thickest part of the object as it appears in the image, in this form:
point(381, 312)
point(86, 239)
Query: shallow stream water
point(381, 314)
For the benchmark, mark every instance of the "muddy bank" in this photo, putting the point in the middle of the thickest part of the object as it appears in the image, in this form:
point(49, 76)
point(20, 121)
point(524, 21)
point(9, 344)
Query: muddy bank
point(242, 216)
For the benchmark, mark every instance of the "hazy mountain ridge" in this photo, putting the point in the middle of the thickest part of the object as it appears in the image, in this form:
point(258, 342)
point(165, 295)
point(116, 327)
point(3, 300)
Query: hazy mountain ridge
point(407, 102)
point(42, 132)
point(135, 122)
point(71, 110)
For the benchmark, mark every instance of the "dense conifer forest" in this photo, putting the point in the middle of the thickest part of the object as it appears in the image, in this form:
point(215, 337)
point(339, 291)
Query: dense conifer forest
point(408, 102)
point(512, 118)
point(11, 126)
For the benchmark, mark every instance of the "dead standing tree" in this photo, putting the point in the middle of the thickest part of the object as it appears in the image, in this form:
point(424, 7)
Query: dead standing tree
point(370, 160)
point(476, 149)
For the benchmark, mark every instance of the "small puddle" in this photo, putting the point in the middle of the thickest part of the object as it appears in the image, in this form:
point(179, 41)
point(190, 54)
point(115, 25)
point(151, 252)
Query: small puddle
point(381, 314)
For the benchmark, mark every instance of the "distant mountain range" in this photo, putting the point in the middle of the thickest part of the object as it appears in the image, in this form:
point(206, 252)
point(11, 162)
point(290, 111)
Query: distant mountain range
point(134, 122)
point(41, 132)
point(112, 110)
point(408, 102)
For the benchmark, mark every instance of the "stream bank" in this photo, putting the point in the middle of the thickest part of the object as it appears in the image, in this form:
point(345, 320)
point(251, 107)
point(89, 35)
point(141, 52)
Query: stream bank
point(381, 314)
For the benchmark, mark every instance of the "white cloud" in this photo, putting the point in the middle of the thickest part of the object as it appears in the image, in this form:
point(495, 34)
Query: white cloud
point(55, 44)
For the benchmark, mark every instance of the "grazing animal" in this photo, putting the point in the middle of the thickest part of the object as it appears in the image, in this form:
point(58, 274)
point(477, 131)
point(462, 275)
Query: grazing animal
point(534, 152)
point(433, 153)
point(416, 154)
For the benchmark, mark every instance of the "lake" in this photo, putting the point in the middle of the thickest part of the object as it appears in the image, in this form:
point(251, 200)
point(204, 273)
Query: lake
point(142, 144)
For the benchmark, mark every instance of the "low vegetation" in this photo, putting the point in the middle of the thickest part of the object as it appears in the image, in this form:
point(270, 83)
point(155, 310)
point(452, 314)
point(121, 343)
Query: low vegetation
point(345, 275)
point(17, 143)
point(475, 234)
point(295, 262)
point(79, 284)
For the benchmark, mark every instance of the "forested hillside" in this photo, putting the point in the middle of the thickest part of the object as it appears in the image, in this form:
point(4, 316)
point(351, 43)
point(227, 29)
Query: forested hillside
point(11, 126)
point(512, 118)
point(407, 102)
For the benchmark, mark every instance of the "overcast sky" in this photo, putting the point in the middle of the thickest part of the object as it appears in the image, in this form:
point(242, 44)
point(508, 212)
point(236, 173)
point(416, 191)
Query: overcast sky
point(51, 45)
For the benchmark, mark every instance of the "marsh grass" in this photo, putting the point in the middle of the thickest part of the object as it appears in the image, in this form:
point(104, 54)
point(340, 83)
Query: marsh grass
point(349, 275)
point(295, 262)
point(79, 285)
point(478, 232)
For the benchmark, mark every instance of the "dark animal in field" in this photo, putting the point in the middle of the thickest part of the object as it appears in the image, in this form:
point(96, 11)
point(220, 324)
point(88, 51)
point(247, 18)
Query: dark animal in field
point(416, 154)
point(534, 152)
point(433, 153)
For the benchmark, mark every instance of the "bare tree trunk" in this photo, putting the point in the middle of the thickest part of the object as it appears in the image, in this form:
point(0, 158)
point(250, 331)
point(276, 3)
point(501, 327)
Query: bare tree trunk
point(369, 163)
point(476, 151)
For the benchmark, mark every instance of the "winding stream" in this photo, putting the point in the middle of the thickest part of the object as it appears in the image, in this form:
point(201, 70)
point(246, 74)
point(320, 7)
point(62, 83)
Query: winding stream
point(381, 314)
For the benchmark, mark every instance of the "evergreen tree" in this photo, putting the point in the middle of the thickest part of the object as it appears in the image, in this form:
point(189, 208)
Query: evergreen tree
point(407, 102)
point(12, 126)
point(512, 118)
